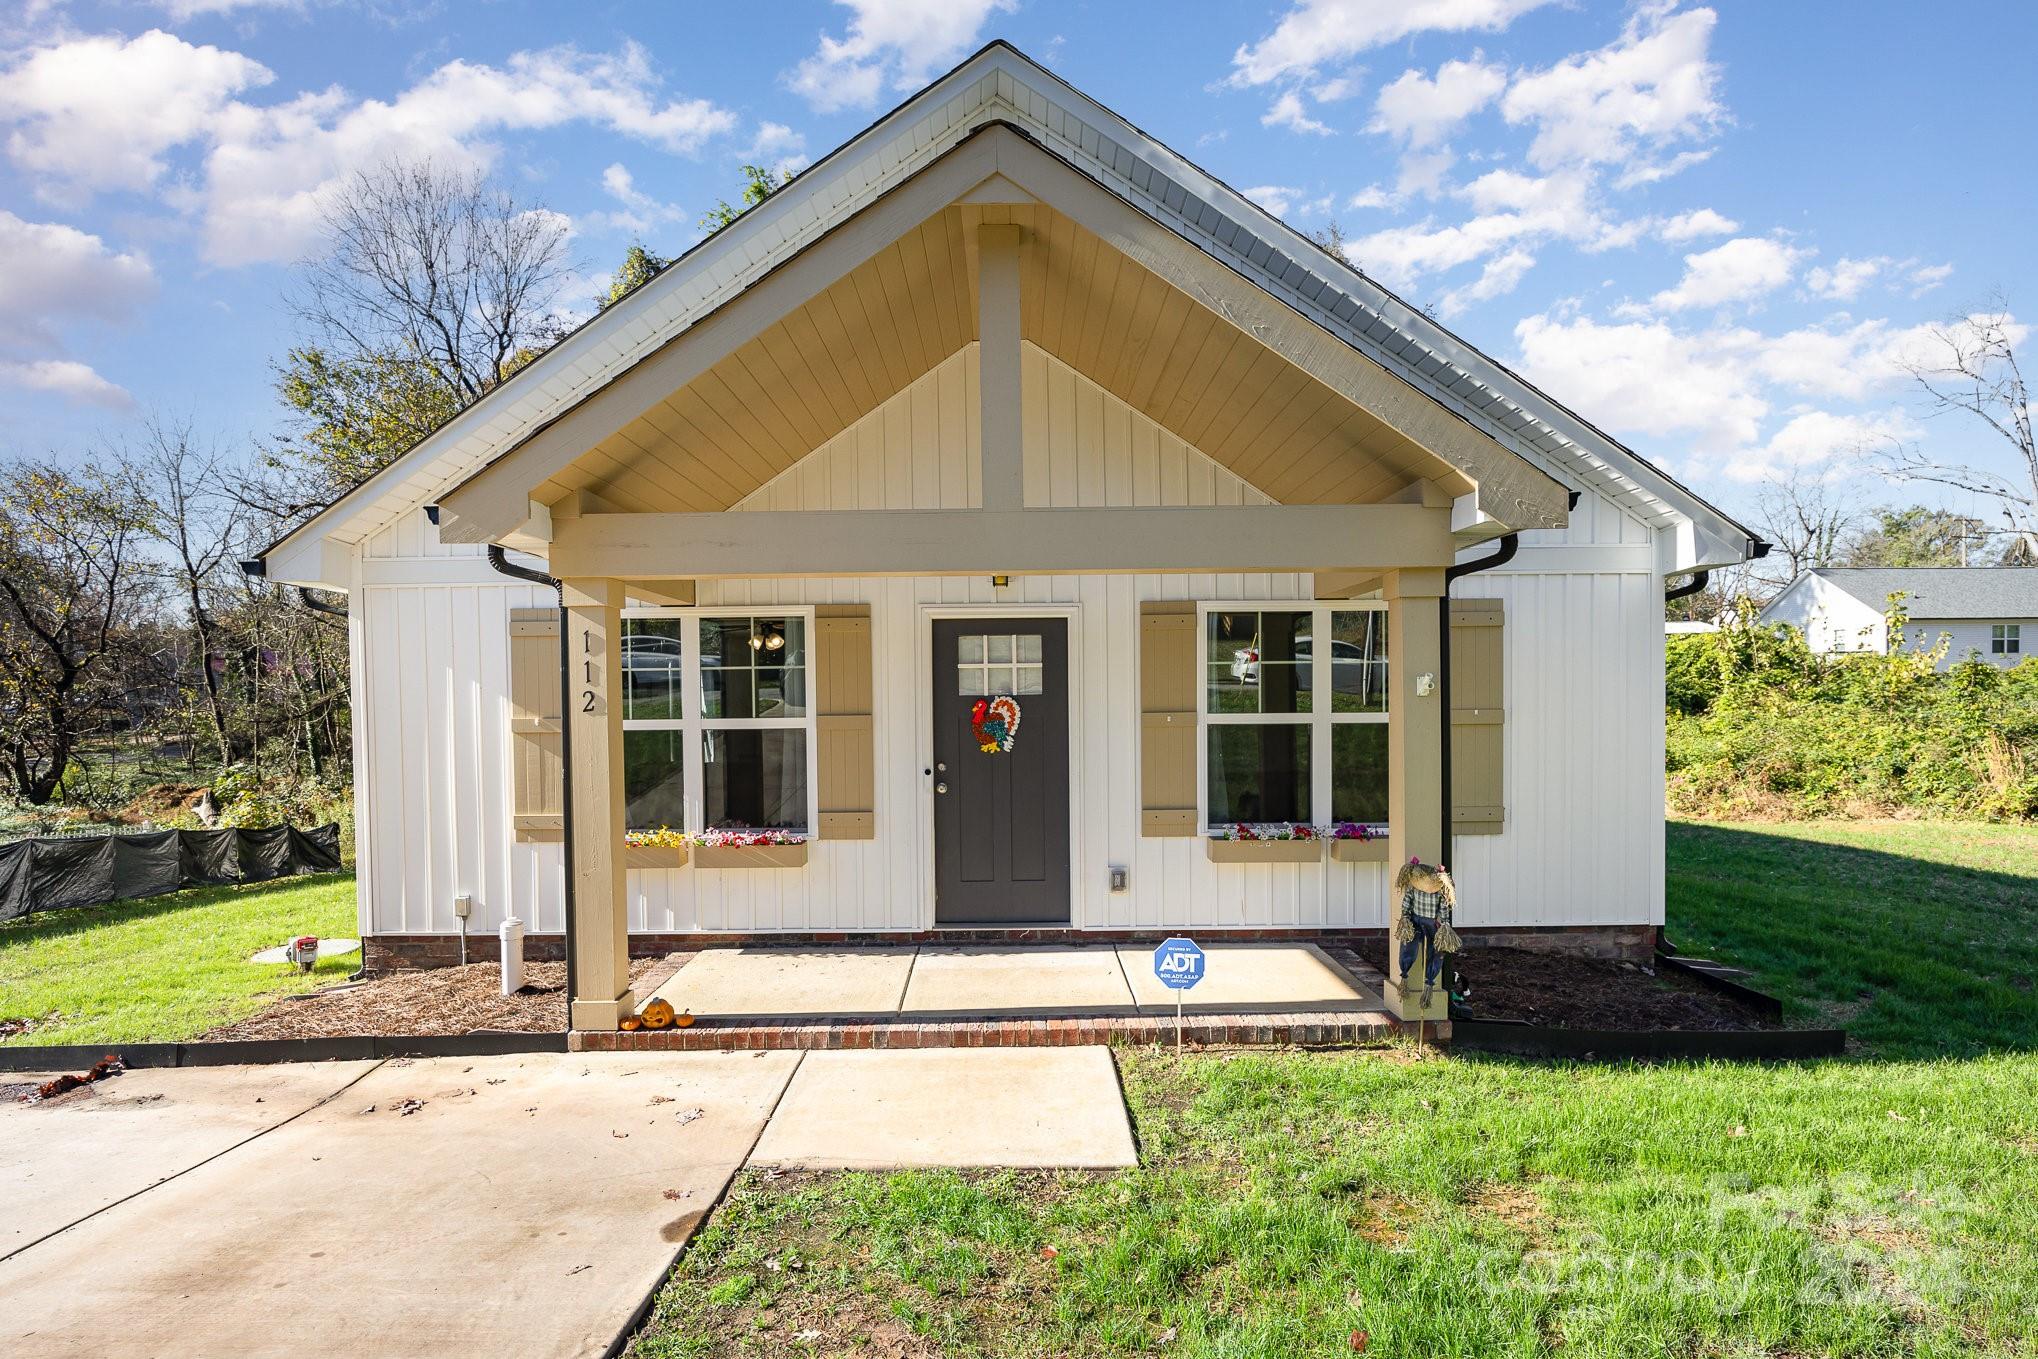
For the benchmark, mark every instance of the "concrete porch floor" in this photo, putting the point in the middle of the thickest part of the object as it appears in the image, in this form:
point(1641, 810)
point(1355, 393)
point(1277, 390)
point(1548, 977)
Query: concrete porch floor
point(958, 996)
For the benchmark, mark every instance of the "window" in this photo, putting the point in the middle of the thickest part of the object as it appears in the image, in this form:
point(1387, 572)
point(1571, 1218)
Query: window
point(2005, 639)
point(717, 727)
point(997, 663)
point(1275, 748)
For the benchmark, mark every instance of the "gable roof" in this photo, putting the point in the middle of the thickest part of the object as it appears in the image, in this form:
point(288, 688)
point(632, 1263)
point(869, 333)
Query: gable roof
point(1000, 84)
point(1933, 592)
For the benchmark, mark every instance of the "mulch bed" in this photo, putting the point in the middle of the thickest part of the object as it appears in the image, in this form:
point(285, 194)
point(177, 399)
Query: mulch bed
point(1566, 992)
point(425, 1001)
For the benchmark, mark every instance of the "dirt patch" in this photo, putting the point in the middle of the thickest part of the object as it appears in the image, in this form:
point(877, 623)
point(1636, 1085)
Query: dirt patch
point(417, 1002)
point(1516, 1205)
point(1386, 1220)
point(1569, 992)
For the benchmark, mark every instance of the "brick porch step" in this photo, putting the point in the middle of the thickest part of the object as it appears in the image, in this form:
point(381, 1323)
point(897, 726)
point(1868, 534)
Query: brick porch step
point(1299, 1029)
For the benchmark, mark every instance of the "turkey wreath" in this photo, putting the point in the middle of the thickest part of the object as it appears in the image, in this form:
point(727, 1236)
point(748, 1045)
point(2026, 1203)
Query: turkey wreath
point(995, 724)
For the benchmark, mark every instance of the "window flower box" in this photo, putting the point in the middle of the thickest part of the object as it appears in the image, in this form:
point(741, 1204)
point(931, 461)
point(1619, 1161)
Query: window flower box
point(1264, 845)
point(742, 849)
point(654, 849)
point(1370, 849)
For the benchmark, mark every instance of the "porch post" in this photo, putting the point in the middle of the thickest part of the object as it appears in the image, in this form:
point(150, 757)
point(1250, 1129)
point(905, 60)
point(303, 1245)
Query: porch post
point(594, 714)
point(1415, 732)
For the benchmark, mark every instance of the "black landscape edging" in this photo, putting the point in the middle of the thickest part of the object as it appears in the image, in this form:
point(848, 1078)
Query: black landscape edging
point(1702, 971)
point(267, 1051)
point(1534, 1040)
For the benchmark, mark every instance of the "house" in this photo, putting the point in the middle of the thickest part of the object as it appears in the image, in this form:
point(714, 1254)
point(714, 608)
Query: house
point(1688, 627)
point(966, 539)
point(1985, 611)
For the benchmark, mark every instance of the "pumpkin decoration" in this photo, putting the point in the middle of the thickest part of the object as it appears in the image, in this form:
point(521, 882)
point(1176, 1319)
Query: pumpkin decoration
point(631, 1024)
point(658, 1014)
point(683, 1020)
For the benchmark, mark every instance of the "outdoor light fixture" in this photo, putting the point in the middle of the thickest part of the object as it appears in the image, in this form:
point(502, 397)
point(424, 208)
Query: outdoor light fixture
point(1000, 582)
point(774, 641)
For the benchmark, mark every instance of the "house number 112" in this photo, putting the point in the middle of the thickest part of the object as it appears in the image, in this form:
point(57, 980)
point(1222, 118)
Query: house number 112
point(591, 669)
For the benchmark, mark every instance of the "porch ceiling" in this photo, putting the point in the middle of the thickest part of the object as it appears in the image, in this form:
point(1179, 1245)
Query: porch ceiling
point(868, 336)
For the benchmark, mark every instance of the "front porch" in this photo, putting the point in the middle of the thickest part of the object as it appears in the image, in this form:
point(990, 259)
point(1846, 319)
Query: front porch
point(942, 996)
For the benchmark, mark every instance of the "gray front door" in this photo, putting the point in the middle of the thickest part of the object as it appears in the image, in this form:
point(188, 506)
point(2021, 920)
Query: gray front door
point(1001, 815)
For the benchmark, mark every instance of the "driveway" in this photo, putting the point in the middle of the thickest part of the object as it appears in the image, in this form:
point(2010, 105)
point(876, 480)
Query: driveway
point(453, 1206)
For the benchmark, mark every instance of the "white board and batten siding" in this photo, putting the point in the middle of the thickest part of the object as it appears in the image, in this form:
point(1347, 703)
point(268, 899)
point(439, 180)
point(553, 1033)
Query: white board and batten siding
point(1583, 764)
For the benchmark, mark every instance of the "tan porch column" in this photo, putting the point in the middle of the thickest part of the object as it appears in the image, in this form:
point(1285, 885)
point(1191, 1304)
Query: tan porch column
point(1415, 733)
point(594, 717)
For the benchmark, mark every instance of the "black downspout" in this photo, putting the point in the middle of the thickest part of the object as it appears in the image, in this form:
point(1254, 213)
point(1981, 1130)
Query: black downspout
point(1509, 545)
point(317, 605)
point(498, 559)
point(1690, 587)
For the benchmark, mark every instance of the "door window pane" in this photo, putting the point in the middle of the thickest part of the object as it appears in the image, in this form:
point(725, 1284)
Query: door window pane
point(1258, 773)
point(652, 655)
point(754, 778)
point(983, 664)
point(654, 780)
point(1258, 662)
point(1358, 772)
point(1358, 661)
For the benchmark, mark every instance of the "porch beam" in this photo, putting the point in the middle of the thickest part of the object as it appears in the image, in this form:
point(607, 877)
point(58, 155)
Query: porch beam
point(594, 717)
point(1004, 467)
point(1003, 542)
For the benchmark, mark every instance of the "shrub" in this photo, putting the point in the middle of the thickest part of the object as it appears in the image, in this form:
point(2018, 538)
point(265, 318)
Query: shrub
point(1759, 725)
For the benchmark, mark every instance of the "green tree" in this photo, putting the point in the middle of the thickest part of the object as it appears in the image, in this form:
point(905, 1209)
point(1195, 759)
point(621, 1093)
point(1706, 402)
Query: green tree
point(759, 183)
point(638, 268)
point(1920, 536)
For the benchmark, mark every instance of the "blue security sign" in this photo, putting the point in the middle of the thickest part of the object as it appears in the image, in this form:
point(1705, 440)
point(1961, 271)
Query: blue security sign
point(1178, 963)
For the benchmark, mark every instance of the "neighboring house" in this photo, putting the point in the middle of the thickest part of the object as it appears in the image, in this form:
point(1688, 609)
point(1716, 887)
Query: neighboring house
point(1687, 627)
point(1005, 400)
point(1985, 611)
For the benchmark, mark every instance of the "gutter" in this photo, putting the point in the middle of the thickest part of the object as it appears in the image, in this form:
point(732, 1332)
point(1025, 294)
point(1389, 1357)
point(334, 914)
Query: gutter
point(499, 560)
point(1689, 588)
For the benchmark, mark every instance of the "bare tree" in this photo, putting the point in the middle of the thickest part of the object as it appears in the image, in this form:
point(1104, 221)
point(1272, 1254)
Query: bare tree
point(434, 267)
point(1969, 365)
point(199, 521)
point(1808, 520)
point(71, 592)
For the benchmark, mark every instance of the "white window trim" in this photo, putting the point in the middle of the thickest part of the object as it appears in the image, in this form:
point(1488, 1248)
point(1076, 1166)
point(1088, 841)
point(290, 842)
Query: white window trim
point(1319, 723)
point(695, 723)
point(2006, 639)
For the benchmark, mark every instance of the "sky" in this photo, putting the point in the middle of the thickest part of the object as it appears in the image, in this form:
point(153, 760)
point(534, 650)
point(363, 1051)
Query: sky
point(1714, 230)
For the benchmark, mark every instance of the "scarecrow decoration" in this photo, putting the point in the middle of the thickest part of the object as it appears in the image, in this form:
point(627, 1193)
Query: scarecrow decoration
point(1426, 899)
point(995, 724)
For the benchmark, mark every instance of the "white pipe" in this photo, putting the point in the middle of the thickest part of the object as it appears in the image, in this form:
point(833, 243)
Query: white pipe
point(512, 936)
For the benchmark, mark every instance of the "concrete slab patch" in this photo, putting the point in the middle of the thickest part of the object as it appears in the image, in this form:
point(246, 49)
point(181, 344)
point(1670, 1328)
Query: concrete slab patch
point(790, 983)
point(1251, 979)
point(66, 1159)
point(495, 1205)
point(1005, 981)
point(1046, 1107)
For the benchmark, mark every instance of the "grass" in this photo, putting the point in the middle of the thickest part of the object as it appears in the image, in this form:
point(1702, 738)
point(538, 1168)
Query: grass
point(1292, 1204)
point(169, 967)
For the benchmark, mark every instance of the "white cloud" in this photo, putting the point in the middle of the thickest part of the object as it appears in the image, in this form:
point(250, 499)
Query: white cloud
point(1497, 279)
point(778, 147)
point(1654, 85)
point(1649, 172)
point(1288, 111)
point(891, 43)
point(1690, 226)
point(1929, 277)
point(1845, 280)
point(1423, 110)
point(53, 276)
point(99, 113)
point(1275, 198)
point(639, 211)
point(181, 10)
point(1317, 33)
point(52, 273)
point(1739, 271)
point(1817, 440)
point(67, 378)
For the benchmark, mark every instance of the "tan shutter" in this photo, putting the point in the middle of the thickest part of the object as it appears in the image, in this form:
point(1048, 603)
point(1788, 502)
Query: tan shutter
point(1167, 717)
point(1478, 715)
point(842, 688)
point(539, 798)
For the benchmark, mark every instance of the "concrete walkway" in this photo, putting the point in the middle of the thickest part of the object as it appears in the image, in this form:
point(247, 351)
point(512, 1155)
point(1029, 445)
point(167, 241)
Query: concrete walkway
point(933, 982)
point(454, 1206)
point(462, 1206)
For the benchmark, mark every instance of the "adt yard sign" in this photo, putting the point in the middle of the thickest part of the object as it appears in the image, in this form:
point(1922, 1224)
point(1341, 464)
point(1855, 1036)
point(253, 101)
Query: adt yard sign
point(1178, 963)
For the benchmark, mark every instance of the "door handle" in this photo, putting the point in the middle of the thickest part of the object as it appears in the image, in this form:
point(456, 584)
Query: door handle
point(941, 787)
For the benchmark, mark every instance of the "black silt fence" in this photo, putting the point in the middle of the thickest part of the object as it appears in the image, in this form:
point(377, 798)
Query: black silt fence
point(53, 873)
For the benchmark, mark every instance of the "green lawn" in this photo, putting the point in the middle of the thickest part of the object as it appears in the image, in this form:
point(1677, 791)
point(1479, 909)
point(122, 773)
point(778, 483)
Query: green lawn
point(1885, 1204)
point(167, 967)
